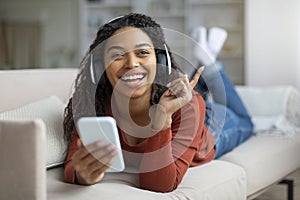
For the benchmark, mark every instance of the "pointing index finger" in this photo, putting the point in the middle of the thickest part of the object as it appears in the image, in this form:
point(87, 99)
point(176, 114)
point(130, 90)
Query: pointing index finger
point(196, 77)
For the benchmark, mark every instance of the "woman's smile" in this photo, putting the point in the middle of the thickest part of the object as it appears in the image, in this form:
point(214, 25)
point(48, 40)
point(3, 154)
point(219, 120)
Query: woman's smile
point(134, 79)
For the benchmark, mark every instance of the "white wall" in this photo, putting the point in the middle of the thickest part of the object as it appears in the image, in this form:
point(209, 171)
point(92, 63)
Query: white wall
point(59, 20)
point(272, 44)
point(298, 52)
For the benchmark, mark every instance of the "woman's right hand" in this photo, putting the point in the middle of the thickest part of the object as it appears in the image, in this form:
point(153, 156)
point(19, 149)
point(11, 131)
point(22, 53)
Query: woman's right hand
point(179, 94)
point(92, 161)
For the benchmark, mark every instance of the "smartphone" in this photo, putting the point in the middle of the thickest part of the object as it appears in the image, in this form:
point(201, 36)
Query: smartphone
point(92, 129)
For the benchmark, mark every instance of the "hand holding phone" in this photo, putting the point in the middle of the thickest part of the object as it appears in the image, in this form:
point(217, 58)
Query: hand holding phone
point(104, 129)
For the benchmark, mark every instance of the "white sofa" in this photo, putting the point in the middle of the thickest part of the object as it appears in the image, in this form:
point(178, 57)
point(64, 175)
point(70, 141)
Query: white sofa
point(244, 173)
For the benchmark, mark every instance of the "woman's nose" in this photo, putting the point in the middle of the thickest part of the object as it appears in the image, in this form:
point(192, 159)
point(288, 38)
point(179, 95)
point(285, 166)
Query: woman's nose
point(132, 60)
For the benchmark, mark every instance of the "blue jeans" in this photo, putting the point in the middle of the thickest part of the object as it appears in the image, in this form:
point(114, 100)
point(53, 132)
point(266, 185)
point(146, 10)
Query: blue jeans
point(226, 116)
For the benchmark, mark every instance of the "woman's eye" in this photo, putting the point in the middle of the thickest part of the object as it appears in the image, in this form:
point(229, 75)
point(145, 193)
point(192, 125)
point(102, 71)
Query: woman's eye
point(117, 55)
point(143, 52)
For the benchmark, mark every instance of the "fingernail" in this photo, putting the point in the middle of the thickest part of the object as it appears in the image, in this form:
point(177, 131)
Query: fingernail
point(202, 68)
point(169, 84)
point(168, 93)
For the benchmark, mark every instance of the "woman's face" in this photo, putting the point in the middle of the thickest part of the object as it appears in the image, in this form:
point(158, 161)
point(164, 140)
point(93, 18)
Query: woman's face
point(130, 62)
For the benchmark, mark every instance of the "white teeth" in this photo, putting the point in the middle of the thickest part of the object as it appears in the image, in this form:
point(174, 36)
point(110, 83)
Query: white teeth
point(132, 77)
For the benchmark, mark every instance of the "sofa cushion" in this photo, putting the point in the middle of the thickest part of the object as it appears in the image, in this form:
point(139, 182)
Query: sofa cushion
point(214, 180)
point(49, 110)
point(266, 159)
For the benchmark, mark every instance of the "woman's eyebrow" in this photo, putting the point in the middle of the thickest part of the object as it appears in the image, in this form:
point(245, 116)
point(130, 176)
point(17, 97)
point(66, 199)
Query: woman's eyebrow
point(143, 44)
point(114, 47)
point(136, 46)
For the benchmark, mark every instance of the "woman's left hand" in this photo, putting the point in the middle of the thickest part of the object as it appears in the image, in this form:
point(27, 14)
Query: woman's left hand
point(178, 95)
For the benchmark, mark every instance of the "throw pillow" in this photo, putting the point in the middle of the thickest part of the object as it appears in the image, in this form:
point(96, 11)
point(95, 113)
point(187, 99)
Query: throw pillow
point(50, 110)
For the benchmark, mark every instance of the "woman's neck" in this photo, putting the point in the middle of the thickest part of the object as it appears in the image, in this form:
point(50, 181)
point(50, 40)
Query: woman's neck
point(136, 109)
point(133, 116)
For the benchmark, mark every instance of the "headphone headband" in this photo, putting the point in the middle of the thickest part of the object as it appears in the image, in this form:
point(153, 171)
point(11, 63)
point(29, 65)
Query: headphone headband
point(115, 19)
point(168, 59)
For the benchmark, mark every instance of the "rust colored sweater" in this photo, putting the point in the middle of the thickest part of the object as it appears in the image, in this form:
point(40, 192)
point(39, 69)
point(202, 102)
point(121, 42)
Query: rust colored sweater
point(164, 158)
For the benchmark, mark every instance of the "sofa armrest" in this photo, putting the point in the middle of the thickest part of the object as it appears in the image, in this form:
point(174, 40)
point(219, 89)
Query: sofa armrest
point(22, 155)
point(272, 101)
point(269, 101)
point(275, 107)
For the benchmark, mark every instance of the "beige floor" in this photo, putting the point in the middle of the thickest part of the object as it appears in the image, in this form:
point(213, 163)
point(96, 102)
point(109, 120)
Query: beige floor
point(279, 192)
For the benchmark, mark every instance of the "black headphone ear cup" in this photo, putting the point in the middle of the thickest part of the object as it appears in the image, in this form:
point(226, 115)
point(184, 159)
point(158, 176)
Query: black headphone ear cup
point(161, 59)
point(161, 69)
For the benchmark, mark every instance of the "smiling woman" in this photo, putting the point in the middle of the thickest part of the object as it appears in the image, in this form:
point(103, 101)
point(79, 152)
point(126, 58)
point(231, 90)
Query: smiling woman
point(130, 75)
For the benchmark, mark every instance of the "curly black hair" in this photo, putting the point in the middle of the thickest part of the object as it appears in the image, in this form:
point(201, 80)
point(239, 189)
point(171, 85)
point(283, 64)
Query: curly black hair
point(89, 99)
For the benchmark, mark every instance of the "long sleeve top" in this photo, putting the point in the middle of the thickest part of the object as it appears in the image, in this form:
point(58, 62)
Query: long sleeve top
point(163, 158)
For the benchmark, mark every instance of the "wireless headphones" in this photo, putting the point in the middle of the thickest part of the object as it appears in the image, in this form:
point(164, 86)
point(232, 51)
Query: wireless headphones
point(162, 57)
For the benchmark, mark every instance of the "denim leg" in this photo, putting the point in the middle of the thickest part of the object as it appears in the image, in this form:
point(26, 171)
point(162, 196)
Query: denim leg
point(228, 132)
point(222, 89)
point(227, 117)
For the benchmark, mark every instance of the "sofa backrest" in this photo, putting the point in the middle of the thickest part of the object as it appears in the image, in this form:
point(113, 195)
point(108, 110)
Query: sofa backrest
point(19, 87)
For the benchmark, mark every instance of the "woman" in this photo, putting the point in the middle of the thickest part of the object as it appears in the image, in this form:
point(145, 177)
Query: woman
point(160, 118)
